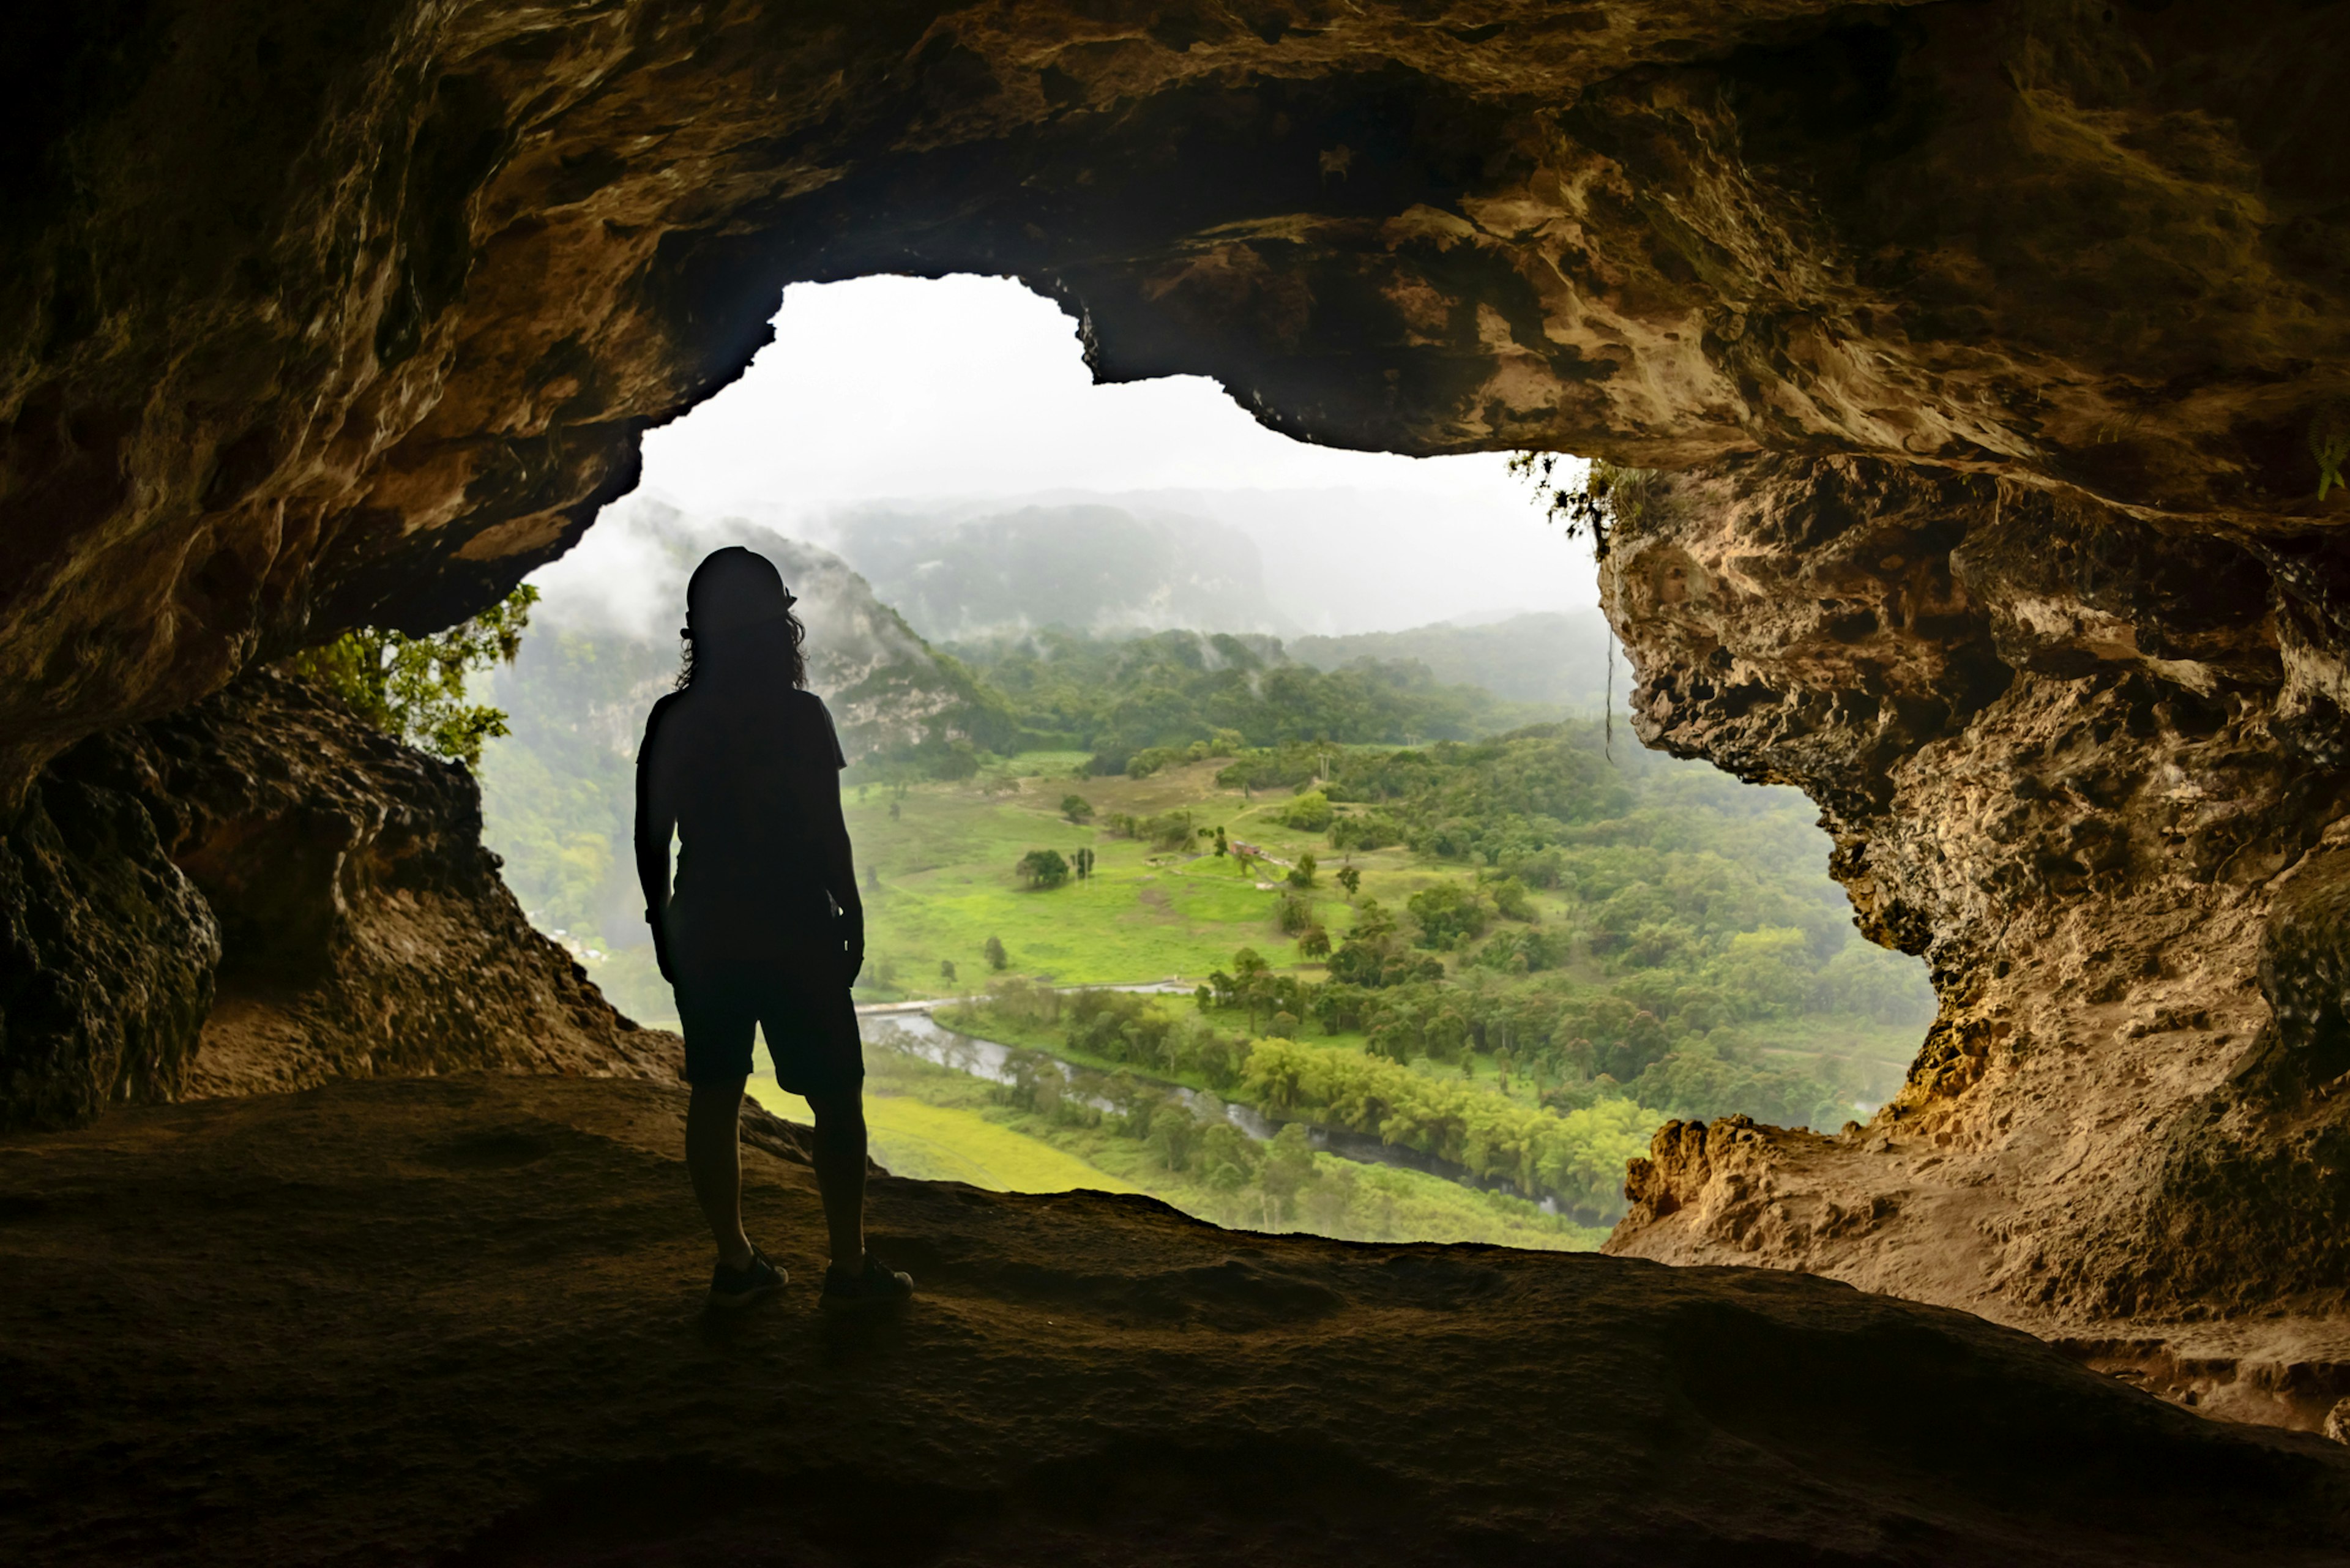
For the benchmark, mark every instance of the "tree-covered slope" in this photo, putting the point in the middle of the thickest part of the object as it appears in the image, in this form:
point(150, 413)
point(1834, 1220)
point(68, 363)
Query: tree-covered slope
point(1116, 697)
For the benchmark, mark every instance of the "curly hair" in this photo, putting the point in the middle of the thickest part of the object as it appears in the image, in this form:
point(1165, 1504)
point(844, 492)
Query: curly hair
point(787, 637)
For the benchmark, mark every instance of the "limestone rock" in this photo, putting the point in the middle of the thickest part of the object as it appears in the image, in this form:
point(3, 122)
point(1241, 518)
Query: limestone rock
point(107, 954)
point(2053, 746)
point(340, 313)
point(262, 893)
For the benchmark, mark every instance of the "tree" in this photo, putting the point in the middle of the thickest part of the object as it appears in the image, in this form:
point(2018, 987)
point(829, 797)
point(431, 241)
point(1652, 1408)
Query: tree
point(1448, 914)
point(1082, 862)
point(947, 970)
point(1351, 880)
point(1288, 1165)
point(414, 688)
point(1173, 1137)
point(1314, 942)
point(1222, 847)
point(1309, 813)
point(1074, 807)
point(1301, 874)
point(1510, 897)
point(996, 957)
point(1044, 869)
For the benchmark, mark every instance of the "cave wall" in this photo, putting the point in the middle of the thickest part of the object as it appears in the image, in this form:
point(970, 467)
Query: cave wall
point(2084, 767)
point(262, 893)
point(1997, 347)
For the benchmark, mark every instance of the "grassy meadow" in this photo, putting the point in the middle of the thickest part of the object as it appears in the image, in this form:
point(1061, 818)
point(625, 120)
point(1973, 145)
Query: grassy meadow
point(943, 864)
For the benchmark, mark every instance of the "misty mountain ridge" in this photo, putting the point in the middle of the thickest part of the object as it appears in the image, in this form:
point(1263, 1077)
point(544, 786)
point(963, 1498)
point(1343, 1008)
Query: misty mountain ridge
point(1559, 660)
point(960, 575)
point(1333, 562)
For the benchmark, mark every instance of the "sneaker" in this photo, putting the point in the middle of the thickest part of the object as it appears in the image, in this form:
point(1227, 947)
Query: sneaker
point(740, 1287)
point(876, 1286)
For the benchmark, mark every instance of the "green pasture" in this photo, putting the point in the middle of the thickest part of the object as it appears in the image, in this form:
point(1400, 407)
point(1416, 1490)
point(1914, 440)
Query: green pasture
point(945, 868)
point(931, 1142)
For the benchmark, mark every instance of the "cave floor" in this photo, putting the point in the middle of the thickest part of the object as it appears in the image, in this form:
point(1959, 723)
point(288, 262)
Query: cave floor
point(459, 1319)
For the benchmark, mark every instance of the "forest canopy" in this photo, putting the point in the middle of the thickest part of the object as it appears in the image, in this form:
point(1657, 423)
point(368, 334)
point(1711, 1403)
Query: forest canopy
point(1117, 698)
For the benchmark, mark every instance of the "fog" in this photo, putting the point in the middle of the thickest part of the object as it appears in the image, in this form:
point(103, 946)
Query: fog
point(940, 403)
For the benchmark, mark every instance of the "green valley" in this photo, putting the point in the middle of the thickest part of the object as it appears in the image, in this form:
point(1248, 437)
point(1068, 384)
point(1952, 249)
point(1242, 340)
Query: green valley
point(1423, 968)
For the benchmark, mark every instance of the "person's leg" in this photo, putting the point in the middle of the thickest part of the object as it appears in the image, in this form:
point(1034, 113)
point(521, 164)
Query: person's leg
point(713, 1156)
point(840, 1172)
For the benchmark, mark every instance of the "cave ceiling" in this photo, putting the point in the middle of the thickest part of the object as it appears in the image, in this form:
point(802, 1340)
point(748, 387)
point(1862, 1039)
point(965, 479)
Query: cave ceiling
point(343, 313)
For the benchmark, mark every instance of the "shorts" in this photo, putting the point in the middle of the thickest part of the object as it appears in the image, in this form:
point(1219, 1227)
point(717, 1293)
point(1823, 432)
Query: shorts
point(810, 1023)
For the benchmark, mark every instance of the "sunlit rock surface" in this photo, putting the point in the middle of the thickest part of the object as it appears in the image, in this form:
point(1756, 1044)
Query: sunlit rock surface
point(459, 1319)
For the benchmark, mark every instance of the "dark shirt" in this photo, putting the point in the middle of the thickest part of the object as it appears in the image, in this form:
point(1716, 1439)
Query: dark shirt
point(757, 834)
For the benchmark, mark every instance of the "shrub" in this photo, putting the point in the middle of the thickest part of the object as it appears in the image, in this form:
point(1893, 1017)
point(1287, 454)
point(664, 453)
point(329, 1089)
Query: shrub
point(1367, 832)
point(1510, 897)
point(1168, 830)
point(1043, 868)
point(1450, 914)
point(1309, 813)
point(414, 688)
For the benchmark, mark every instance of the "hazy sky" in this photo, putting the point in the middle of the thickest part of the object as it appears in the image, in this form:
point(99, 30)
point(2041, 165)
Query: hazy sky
point(889, 388)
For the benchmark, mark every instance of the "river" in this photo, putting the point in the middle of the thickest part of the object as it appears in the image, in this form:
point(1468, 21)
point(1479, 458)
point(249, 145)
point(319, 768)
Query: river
point(913, 1030)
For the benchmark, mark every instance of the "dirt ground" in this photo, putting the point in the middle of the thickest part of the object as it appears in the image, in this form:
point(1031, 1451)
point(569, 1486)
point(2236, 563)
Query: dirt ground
point(459, 1319)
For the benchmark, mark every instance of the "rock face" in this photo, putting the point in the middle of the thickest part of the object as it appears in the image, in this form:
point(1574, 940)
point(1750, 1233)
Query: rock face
point(497, 1354)
point(2004, 348)
point(2088, 768)
point(262, 893)
point(349, 311)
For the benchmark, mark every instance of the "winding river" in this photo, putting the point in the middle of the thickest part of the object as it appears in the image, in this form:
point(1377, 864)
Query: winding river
point(913, 1029)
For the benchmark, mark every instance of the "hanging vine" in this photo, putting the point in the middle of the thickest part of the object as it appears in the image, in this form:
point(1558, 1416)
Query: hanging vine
point(1604, 498)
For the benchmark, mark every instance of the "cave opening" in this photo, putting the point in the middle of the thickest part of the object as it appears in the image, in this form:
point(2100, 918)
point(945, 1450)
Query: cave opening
point(1060, 621)
point(1980, 378)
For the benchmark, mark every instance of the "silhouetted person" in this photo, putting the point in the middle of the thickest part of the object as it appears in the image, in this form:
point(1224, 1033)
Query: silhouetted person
point(764, 927)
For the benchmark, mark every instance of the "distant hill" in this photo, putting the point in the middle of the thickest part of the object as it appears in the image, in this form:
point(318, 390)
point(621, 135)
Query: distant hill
point(1116, 696)
point(557, 792)
point(1558, 660)
point(958, 575)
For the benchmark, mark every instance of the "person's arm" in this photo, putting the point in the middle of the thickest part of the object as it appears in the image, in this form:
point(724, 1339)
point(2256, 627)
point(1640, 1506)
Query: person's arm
point(818, 789)
point(656, 825)
point(819, 803)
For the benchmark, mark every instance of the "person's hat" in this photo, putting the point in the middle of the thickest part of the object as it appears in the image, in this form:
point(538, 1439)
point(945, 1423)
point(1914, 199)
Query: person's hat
point(735, 588)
